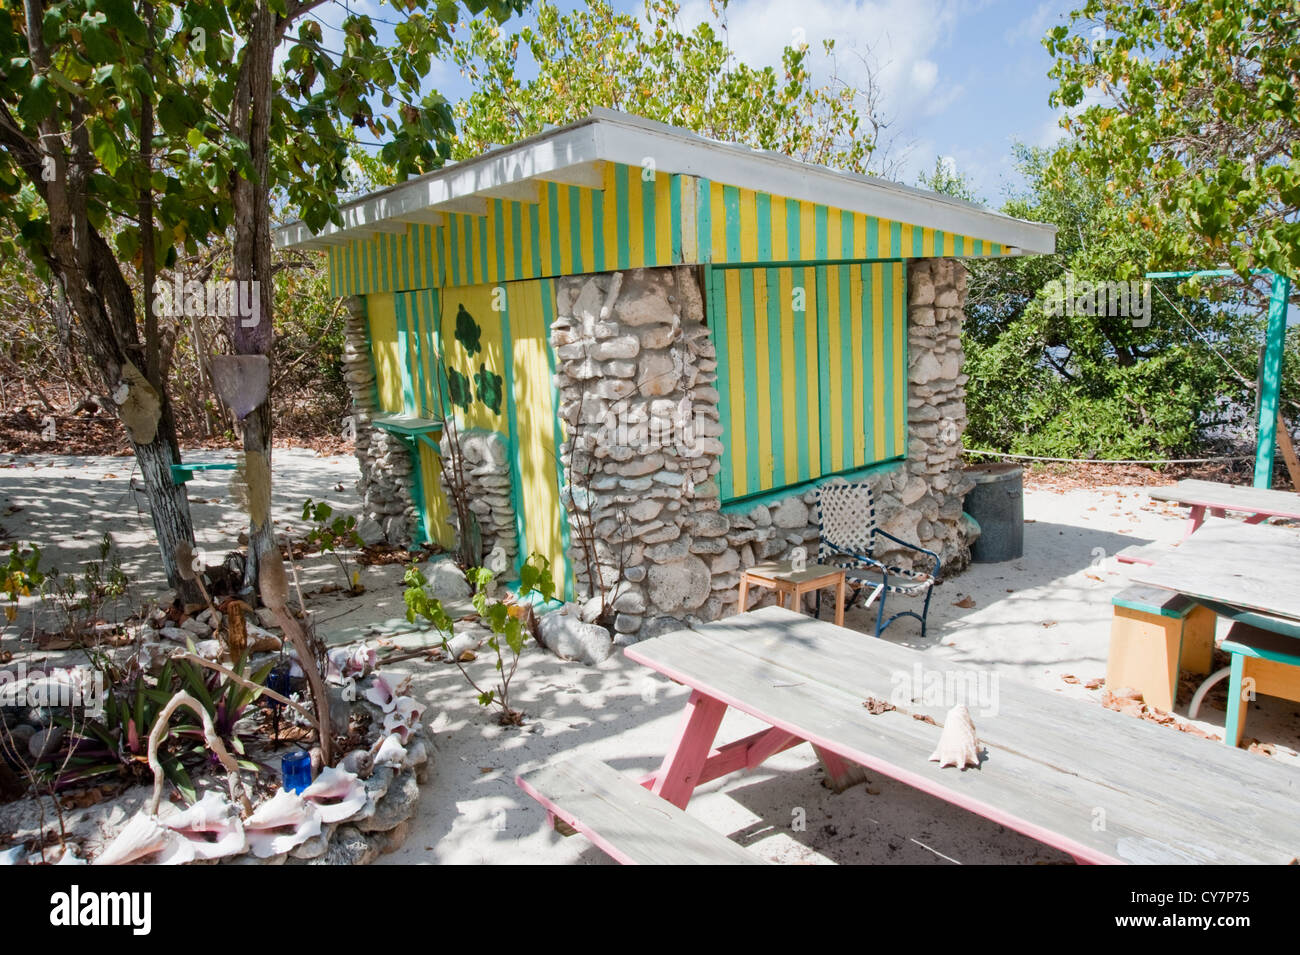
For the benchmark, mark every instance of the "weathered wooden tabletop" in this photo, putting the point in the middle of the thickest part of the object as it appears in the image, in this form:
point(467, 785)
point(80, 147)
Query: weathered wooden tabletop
point(1100, 785)
point(1252, 566)
point(1230, 497)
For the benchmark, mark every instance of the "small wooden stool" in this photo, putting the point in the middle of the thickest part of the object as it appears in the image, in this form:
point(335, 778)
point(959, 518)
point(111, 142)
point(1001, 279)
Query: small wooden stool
point(785, 580)
point(1153, 634)
point(1262, 662)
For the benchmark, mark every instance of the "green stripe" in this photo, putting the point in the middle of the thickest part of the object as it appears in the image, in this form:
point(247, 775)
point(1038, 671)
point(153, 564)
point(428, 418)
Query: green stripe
point(958, 246)
point(798, 279)
point(891, 359)
point(675, 214)
point(548, 316)
point(873, 237)
point(467, 233)
point(481, 271)
point(703, 223)
point(868, 372)
point(792, 227)
point(753, 480)
point(731, 210)
point(621, 189)
point(940, 242)
point(453, 239)
point(823, 367)
point(382, 258)
point(978, 247)
point(776, 375)
point(819, 225)
point(430, 237)
point(718, 330)
point(403, 346)
point(553, 214)
point(598, 229)
point(405, 245)
point(575, 230)
point(895, 240)
point(849, 436)
point(763, 219)
point(499, 211)
point(517, 239)
point(512, 438)
point(648, 225)
point(846, 235)
point(918, 241)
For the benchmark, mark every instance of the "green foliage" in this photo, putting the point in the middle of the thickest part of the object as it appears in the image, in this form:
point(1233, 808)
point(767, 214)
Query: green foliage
point(81, 600)
point(1193, 113)
point(947, 180)
point(1061, 383)
point(18, 576)
point(566, 64)
point(330, 533)
point(506, 621)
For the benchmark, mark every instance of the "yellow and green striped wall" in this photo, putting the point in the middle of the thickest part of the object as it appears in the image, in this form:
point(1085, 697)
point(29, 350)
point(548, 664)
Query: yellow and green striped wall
point(409, 330)
point(633, 221)
point(812, 371)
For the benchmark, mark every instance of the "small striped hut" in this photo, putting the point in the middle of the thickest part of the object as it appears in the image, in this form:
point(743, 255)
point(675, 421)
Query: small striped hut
point(570, 299)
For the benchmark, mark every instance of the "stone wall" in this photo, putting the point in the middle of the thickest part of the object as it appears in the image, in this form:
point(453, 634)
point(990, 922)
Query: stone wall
point(636, 372)
point(484, 476)
point(386, 480)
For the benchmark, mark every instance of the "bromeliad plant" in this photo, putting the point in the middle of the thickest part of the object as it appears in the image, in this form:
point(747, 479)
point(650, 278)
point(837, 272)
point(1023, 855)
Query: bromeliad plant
point(329, 533)
point(507, 621)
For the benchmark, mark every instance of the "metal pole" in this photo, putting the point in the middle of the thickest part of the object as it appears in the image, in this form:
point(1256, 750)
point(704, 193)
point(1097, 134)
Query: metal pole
point(1270, 380)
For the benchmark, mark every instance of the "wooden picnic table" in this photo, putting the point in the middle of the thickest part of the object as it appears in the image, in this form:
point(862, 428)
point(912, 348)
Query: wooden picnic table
point(1103, 787)
point(1236, 565)
point(1218, 499)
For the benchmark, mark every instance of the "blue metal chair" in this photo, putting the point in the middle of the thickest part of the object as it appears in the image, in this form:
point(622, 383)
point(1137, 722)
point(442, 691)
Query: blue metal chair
point(846, 514)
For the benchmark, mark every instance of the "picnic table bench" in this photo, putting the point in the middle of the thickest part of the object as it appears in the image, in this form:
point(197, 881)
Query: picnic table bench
point(1202, 496)
point(1101, 786)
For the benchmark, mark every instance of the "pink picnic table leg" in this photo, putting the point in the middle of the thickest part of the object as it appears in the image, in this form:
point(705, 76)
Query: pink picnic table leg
point(1195, 518)
point(682, 767)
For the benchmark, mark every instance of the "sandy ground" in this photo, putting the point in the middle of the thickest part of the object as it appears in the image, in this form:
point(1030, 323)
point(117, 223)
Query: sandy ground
point(1038, 619)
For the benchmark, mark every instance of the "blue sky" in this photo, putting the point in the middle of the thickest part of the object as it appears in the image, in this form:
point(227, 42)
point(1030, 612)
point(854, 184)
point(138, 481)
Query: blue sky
point(960, 78)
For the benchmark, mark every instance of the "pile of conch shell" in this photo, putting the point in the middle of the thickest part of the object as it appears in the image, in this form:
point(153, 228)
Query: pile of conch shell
point(401, 716)
point(958, 744)
point(353, 662)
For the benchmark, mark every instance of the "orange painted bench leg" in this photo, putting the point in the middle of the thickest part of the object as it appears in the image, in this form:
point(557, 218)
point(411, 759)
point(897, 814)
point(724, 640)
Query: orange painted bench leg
point(1195, 518)
point(682, 768)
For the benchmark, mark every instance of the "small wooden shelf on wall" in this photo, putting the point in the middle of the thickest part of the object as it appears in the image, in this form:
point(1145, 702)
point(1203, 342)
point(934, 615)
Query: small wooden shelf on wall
point(428, 430)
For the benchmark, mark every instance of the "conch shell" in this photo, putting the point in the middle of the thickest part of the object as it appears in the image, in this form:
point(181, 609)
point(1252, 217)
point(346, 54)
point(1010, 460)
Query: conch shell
point(283, 822)
point(403, 718)
point(337, 794)
point(390, 752)
point(144, 838)
point(211, 826)
point(958, 744)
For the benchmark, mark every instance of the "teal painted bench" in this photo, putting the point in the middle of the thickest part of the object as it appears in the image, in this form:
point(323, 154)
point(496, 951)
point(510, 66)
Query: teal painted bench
point(1262, 662)
point(181, 473)
point(626, 820)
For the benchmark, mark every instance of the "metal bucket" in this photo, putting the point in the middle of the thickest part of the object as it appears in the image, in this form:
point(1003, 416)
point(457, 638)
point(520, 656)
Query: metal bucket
point(997, 503)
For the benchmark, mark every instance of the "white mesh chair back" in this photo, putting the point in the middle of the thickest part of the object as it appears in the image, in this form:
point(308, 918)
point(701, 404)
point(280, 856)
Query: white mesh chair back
point(847, 515)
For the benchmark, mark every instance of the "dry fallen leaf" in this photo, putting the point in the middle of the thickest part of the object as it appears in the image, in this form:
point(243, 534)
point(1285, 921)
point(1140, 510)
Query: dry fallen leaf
point(1049, 623)
point(467, 656)
point(1095, 683)
point(877, 706)
point(966, 602)
point(1070, 678)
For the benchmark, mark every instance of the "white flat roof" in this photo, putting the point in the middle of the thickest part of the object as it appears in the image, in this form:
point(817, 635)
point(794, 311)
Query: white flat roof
point(570, 154)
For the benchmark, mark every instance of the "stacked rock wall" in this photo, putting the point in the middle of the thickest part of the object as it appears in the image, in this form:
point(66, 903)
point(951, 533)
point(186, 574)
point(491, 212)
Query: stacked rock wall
point(484, 474)
point(636, 373)
point(386, 480)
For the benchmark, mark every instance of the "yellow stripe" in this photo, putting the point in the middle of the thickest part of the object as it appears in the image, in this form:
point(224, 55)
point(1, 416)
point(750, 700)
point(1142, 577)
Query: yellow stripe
point(791, 423)
point(834, 245)
point(859, 236)
point(544, 213)
point(813, 437)
point(859, 373)
point(878, 356)
point(763, 374)
point(807, 231)
point(907, 241)
point(748, 228)
point(834, 353)
point(587, 241)
point(882, 239)
point(718, 222)
point(736, 366)
point(779, 251)
point(493, 266)
point(927, 243)
point(663, 218)
point(609, 210)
